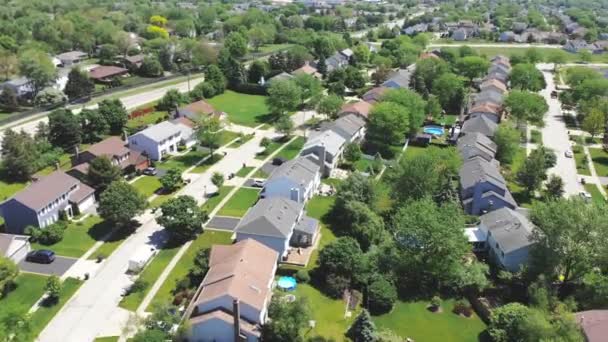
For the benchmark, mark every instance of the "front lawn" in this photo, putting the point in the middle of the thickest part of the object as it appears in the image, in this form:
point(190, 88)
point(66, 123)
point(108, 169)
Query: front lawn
point(292, 149)
point(244, 171)
point(182, 162)
point(600, 161)
point(28, 289)
point(242, 139)
point(238, 204)
point(79, 237)
point(216, 198)
point(147, 185)
point(44, 314)
point(242, 109)
point(8, 188)
point(413, 320)
point(261, 174)
point(110, 245)
point(205, 240)
point(204, 166)
point(273, 146)
point(518, 192)
point(580, 158)
point(595, 193)
point(227, 136)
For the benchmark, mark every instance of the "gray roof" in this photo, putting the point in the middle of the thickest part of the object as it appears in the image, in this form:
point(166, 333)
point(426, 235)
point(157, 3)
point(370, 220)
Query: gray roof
point(474, 144)
point(40, 193)
point(307, 225)
point(331, 140)
point(509, 228)
point(480, 124)
point(478, 170)
point(301, 171)
point(160, 131)
point(347, 126)
point(489, 94)
point(280, 77)
point(497, 75)
point(400, 77)
point(272, 217)
point(71, 55)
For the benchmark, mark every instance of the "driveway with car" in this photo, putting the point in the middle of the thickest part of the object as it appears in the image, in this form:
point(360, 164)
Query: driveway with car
point(57, 267)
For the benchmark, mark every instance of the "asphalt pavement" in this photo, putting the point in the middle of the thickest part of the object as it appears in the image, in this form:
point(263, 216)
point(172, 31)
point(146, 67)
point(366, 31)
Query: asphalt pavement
point(57, 267)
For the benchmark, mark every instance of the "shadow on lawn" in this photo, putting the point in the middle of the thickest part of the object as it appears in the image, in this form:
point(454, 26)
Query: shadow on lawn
point(101, 229)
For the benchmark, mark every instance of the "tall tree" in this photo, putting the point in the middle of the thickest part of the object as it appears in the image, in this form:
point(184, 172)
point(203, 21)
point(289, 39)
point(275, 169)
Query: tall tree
point(388, 125)
point(526, 107)
point(363, 328)
point(330, 105)
point(472, 67)
point(427, 71)
point(413, 103)
point(555, 187)
point(38, 68)
point(172, 180)
point(19, 155)
point(8, 273)
point(527, 77)
point(450, 90)
point(533, 171)
point(79, 85)
point(9, 99)
point(288, 320)
point(594, 122)
point(64, 129)
point(283, 96)
point(114, 113)
point(236, 44)
point(102, 172)
point(94, 126)
point(182, 218)
point(208, 133)
point(8, 63)
point(172, 100)
point(507, 141)
point(120, 203)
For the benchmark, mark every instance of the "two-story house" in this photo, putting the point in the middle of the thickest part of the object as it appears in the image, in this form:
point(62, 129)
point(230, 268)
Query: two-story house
point(157, 141)
point(351, 127)
point(480, 124)
point(297, 180)
point(325, 148)
point(476, 145)
point(44, 201)
point(483, 188)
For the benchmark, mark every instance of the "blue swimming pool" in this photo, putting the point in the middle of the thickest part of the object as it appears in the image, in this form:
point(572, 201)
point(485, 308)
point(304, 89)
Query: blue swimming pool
point(434, 130)
point(287, 283)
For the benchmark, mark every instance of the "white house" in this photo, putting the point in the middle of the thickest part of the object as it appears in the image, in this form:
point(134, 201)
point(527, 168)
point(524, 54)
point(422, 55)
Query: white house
point(14, 247)
point(158, 140)
point(326, 149)
point(296, 180)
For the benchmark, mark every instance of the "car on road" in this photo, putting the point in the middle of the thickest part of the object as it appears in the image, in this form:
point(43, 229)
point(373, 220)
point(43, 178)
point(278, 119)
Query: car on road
point(278, 161)
point(257, 183)
point(554, 94)
point(568, 154)
point(41, 256)
point(585, 195)
point(150, 171)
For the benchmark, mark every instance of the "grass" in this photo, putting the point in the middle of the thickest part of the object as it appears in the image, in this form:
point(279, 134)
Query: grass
point(205, 240)
point(150, 185)
point(292, 149)
point(204, 166)
point(182, 162)
point(9, 188)
point(107, 339)
point(413, 320)
point(582, 167)
point(227, 136)
point(260, 174)
point(149, 275)
point(242, 139)
point(600, 161)
point(244, 171)
point(145, 120)
point(29, 288)
point(595, 193)
point(518, 192)
point(363, 164)
point(319, 207)
point(238, 204)
point(242, 109)
point(39, 319)
point(79, 237)
point(110, 245)
point(536, 136)
point(273, 146)
point(216, 198)
point(65, 163)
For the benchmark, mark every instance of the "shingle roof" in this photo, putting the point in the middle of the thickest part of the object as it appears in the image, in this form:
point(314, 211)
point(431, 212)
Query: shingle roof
point(489, 94)
point(480, 124)
point(478, 170)
point(160, 131)
point(272, 217)
point(362, 108)
point(479, 142)
point(347, 126)
point(330, 139)
point(484, 107)
point(244, 325)
point(104, 71)
point(374, 94)
point(401, 78)
point(71, 55)
point(112, 146)
point(509, 228)
point(301, 171)
point(47, 189)
point(495, 83)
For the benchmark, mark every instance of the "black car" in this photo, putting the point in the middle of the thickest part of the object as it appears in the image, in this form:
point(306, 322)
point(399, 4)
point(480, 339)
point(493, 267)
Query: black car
point(42, 256)
point(278, 161)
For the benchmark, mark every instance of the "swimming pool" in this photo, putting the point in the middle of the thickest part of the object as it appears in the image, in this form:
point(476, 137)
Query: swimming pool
point(287, 283)
point(434, 130)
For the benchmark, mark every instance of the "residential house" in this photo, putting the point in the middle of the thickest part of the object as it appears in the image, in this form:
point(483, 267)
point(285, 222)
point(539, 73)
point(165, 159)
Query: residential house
point(399, 79)
point(22, 87)
point(45, 201)
point(493, 84)
point(71, 57)
point(480, 124)
point(600, 46)
point(157, 140)
point(415, 29)
point(483, 188)
point(278, 77)
point(460, 35)
point(232, 301)
point(507, 37)
point(297, 180)
point(114, 149)
point(14, 247)
point(489, 95)
point(106, 73)
point(499, 68)
point(502, 60)
point(278, 222)
point(374, 95)
point(325, 148)
point(576, 45)
point(308, 70)
point(198, 110)
point(337, 61)
point(509, 237)
point(133, 62)
point(351, 127)
point(188, 131)
point(487, 109)
point(476, 145)
point(594, 324)
point(519, 27)
point(361, 109)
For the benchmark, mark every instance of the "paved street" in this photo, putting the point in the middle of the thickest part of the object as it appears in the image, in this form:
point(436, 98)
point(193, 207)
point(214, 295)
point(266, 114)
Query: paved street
point(94, 308)
point(555, 136)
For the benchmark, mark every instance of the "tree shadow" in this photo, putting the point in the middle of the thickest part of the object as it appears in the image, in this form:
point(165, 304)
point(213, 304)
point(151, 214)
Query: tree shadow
point(49, 302)
point(99, 230)
point(265, 118)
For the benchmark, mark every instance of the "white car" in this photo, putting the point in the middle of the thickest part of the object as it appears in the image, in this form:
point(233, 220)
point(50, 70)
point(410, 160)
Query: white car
point(568, 154)
point(258, 183)
point(586, 196)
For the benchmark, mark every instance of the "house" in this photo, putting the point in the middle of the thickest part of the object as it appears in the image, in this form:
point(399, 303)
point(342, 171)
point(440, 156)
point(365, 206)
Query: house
point(483, 188)
point(14, 247)
point(576, 45)
point(308, 70)
point(278, 77)
point(502, 60)
point(325, 148)
point(476, 145)
point(499, 76)
point(106, 73)
point(45, 201)
point(415, 29)
point(509, 237)
point(460, 35)
point(198, 110)
point(493, 84)
point(134, 62)
point(71, 57)
point(188, 132)
point(336, 61)
point(489, 95)
point(114, 149)
point(507, 37)
point(297, 180)
point(427, 55)
point(22, 87)
point(487, 109)
point(600, 46)
point(351, 127)
point(361, 109)
point(519, 27)
point(278, 222)
point(594, 324)
point(480, 124)
point(233, 298)
point(157, 141)
point(374, 95)
point(399, 79)
point(499, 68)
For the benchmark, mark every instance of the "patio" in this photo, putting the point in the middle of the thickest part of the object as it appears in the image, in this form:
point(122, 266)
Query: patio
point(299, 256)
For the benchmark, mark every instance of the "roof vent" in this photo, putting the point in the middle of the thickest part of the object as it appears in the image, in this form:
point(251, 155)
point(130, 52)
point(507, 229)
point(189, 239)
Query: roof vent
point(255, 288)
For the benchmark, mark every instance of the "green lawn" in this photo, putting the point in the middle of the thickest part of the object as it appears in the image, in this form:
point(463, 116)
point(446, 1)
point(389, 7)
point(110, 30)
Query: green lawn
point(273, 146)
point(600, 161)
point(512, 168)
point(79, 237)
point(318, 207)
point(242, 109)
point(149, 275)
point(580, 158)
point(204, 166)
point(227, 136)
point(244, 171)
point(107, 339)
point(292, 149)
point(363, 164)
point(595, 193)
point(182, 162)
point(65, 163)
point(213, 201)
point(8, 188)
point(205, 240)
point(111, 244)
point(145, 120)
point(147, 185)
point(243, 139)
point(413, 320)
point(260, 174)
point(44, 314)
point(536, 136)
point(29, 288)
point(238, 204)
point(414, 150)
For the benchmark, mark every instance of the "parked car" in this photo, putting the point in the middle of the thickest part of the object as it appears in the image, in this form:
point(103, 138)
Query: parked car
point(258, 183)
point(568, 154)
point(150, 171)
point(554, 94)
point(41, 256)
point(278, 161)
point(586, 196)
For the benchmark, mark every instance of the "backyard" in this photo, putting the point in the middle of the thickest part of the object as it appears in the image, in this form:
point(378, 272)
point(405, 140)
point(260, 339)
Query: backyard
point(238, 204)
point(242, 109)
point(148, 119)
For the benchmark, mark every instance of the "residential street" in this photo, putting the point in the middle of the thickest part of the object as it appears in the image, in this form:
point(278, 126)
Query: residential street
point(94, 310)
point(555, 136)
point(495, 45)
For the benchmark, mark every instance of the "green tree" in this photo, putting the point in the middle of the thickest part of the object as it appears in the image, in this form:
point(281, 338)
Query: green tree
point(507, 142)
point(363, 328)
point(182, 218)
point(284, 125)
point(472, 67)
point(8, 273)
point(526, 107)
point(114, 113)
point(288, 320)
point(361, 54)
point(102, 172)
point(208, 133)
point(433, 107)
point(163, 318)
point(120, 203)
point(330, 105)
point(172, 100)
point(215, 77)
point(585, 56)
point(283, 96)
point(343, 259)
point(505, 322)
point(594, 122)
point(236, 44)
point(554, 188)
point(64, 129)
point(381, 295)
point(94, 126)
point(107, 54)
point(49, 96)
point(9, 99)
point(360, 222)
point(450, 91)
point(151, 67)
point(19, 155)
point(576, 75)
point(79, 85)
point(413, 103)
point(352, 153)
point(200, 266)
point(427, 71)
point(8, 63)
point(15, 326)
point(38, 68)
point(527, 77)
point(217, 179)
point(53, 288)
point(310, 88)
point(354, 78)
point(388, 125)
point(257, 70)
point(153, 335)
point(533, 171)
point(172, 180)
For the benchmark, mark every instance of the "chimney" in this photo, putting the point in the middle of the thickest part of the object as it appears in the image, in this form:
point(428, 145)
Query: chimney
point(125, 137)
point(236, 315)
point(77, 153)
point(294, 194)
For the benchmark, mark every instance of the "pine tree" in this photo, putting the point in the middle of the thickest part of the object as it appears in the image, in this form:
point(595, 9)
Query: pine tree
point(363, 329)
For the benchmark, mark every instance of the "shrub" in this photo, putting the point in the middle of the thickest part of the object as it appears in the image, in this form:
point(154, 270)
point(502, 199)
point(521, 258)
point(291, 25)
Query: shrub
point(335, 285)
point(303, 276)
point(138, 285)
point(381, 295)
point(462, 307)
point(49, 235)
point(435, 302)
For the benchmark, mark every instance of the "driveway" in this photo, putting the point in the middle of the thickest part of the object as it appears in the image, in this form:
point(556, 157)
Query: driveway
point(57, 267)
point(555, 137)
point(269, 167)
point(223, 223)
